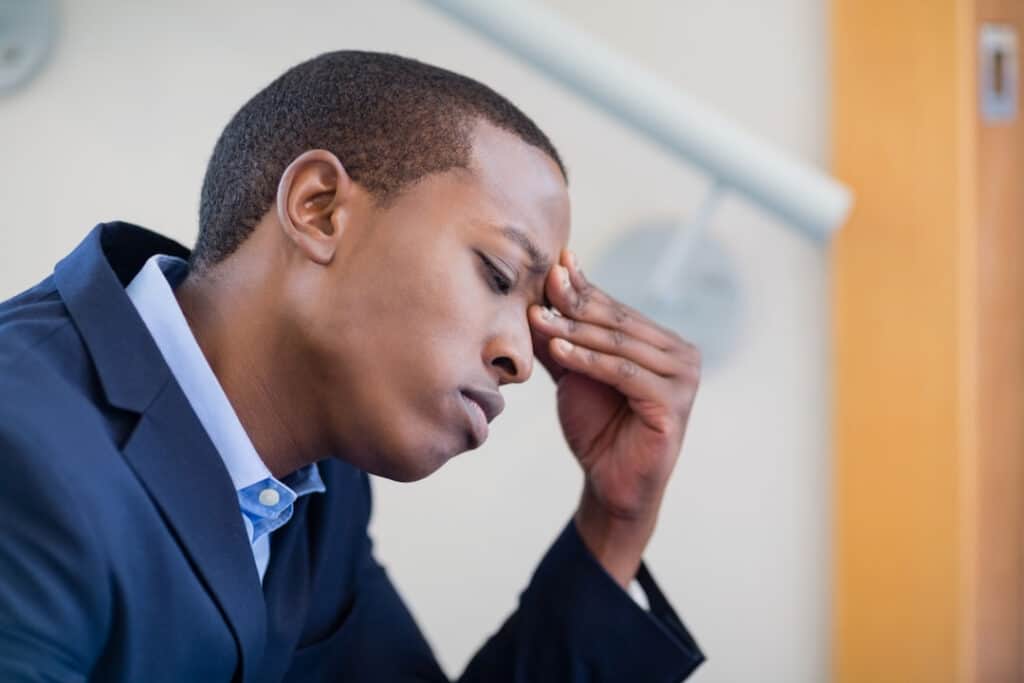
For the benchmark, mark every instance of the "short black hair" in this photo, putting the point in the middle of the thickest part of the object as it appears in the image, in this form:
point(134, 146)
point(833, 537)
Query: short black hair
point(389, 119)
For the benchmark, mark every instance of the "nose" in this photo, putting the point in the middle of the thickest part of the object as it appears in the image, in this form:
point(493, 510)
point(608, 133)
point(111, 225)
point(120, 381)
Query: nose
point(510, 354)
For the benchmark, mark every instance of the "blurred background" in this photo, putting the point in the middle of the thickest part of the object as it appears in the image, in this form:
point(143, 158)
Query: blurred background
point(848, 503)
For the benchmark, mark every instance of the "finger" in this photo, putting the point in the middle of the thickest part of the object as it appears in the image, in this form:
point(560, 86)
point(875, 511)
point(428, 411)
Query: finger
point(605, 339)
point(542, 352)
point(579, 281)
point(590, 304)
point(580, 286)
point(686, 355)
point(630, 379)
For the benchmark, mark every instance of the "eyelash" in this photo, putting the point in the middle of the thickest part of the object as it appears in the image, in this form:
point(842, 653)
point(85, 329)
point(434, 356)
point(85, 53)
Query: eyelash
point(499, 281)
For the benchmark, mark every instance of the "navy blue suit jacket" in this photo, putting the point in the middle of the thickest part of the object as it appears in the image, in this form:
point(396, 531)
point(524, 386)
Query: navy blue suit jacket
point(123, 556)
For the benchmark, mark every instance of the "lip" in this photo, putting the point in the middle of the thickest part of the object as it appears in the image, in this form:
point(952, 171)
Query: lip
point(481, 406)
point(491, 402)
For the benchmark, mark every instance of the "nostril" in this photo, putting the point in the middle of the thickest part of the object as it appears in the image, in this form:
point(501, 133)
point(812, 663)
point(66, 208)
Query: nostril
point(506, 364)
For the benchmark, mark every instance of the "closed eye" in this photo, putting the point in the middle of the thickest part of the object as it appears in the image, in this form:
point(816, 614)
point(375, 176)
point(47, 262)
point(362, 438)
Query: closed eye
point(499, 282)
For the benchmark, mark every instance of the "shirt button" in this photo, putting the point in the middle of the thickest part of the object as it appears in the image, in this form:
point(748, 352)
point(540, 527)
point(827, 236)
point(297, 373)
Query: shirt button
point(269, 497)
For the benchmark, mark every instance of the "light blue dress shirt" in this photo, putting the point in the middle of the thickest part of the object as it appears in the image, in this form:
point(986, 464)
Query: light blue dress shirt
point(264, 502)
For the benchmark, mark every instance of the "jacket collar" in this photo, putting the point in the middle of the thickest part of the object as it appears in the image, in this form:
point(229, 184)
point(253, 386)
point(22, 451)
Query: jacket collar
point(91, 281)
point(168, 449)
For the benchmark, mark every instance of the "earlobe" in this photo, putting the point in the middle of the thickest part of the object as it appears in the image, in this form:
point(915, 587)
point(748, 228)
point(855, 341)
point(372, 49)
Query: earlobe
point(312, 203)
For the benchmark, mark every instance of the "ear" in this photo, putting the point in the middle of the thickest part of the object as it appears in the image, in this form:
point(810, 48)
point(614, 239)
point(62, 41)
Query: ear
point(313, 202)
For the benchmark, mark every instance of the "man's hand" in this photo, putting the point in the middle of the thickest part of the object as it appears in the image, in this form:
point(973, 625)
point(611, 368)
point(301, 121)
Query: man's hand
point(625, 390)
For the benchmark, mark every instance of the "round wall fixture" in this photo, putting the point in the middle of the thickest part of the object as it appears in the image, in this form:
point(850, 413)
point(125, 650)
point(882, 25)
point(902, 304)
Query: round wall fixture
point(700, 300)
point(28, 29)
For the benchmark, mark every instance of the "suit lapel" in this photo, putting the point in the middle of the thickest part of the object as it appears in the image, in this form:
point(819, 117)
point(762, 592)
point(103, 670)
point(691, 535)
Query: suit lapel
point(176, 462)
point(169, 450)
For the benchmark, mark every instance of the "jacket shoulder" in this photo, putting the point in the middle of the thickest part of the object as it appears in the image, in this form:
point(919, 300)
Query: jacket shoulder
point(29, 319)
point(48, 383)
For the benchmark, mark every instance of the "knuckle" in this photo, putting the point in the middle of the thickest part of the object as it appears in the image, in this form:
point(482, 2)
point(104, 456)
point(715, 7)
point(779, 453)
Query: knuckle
point(591, 357)
point(580, 302)
point(618, 337)
point(627, 369)
point(571, 325)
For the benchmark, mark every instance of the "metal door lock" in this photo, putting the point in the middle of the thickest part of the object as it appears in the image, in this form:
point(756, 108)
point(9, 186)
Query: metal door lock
point(999, 72)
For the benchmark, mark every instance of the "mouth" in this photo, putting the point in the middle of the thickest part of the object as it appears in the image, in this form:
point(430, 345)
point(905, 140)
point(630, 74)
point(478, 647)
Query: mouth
point(481, 406)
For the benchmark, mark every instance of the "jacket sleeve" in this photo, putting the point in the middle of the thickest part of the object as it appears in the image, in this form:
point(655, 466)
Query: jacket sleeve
point(574, 623)
point(54, 597)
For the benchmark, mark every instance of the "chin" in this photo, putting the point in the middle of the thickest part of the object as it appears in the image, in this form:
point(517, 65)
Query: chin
point(403, 450)
point(410, 472)
point(407, 467)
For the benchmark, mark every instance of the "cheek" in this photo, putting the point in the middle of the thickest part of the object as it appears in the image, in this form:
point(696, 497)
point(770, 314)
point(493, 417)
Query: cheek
point(439, 336)
point(414, 333)
point(445, 306)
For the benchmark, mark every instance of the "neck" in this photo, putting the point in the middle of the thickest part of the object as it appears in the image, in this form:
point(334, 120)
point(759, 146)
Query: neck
point(229, 310)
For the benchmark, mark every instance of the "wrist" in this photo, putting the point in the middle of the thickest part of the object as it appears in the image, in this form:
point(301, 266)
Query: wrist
point(616, 541)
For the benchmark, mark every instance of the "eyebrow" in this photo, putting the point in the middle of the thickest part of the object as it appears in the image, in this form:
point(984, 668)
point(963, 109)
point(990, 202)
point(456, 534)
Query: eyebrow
point(539, 264)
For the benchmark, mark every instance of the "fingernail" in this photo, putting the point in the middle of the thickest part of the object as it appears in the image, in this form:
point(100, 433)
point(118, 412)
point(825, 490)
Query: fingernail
point(545, 313)
point(572, 259)
point(564, 345)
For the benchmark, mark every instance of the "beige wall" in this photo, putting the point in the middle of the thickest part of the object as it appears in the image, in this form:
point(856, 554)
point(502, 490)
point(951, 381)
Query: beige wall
point(123, 119)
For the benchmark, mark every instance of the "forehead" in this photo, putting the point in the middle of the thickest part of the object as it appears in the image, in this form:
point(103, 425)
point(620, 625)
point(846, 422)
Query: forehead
point(518, 185)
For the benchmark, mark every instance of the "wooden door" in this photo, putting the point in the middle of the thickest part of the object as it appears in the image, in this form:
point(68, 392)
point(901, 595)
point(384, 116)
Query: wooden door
point(929, 351)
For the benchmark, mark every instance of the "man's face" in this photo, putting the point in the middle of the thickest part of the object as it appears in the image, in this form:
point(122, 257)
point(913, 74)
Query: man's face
point(422, 315)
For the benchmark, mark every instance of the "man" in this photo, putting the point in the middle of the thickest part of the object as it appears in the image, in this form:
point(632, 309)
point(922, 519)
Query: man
point(185, 437)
